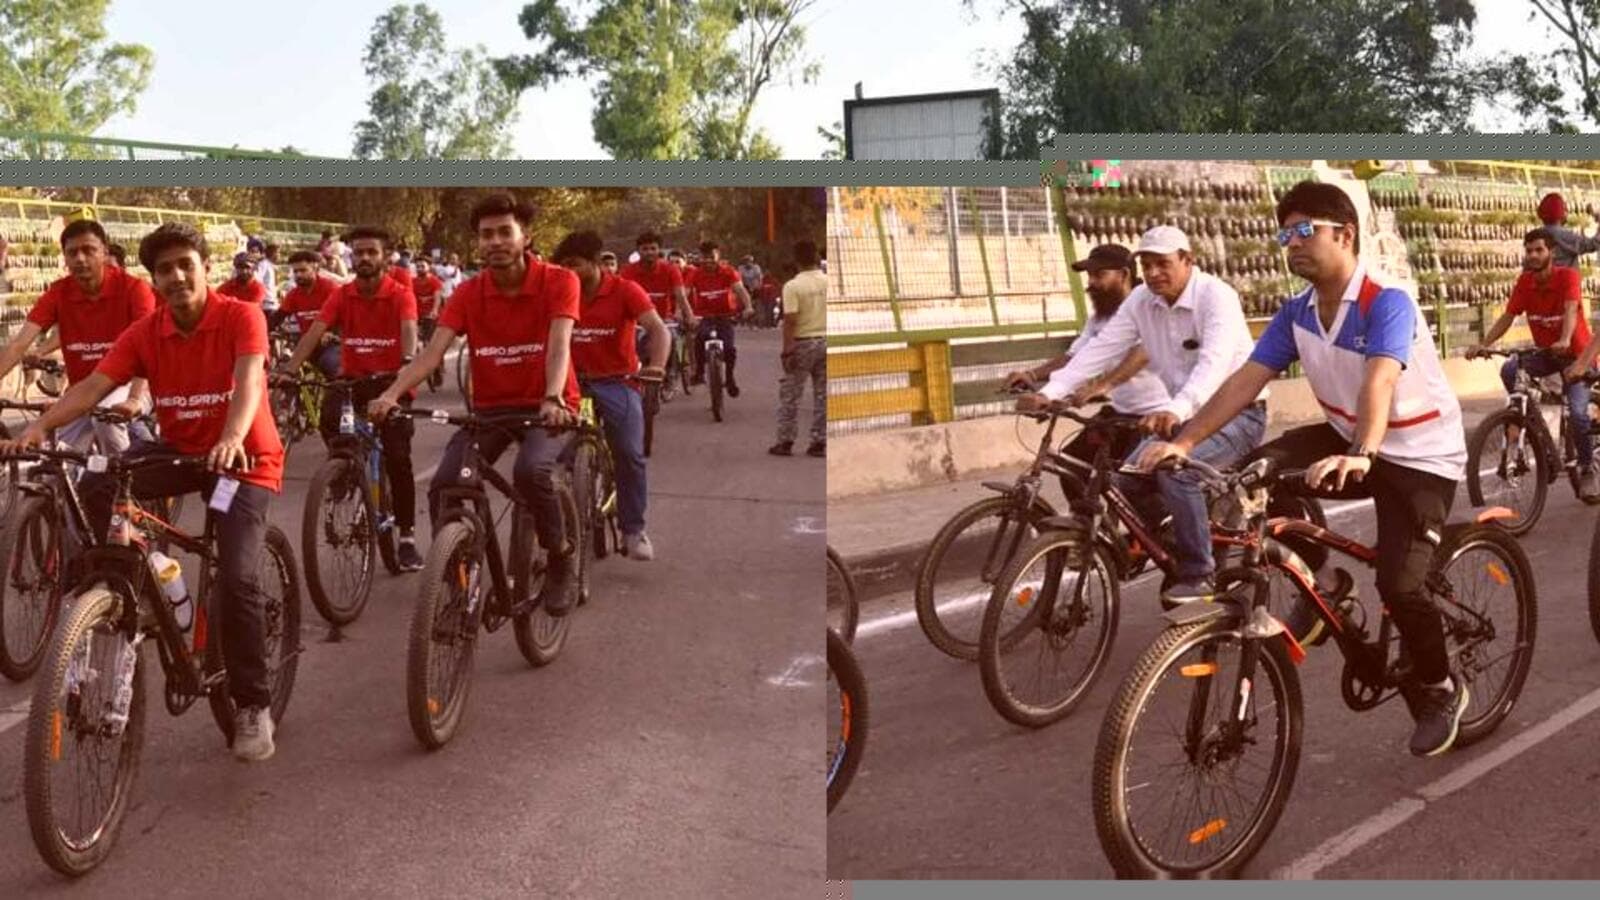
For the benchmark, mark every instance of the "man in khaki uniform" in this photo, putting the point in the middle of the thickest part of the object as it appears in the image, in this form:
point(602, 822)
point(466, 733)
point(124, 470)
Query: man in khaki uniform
point(805, 353)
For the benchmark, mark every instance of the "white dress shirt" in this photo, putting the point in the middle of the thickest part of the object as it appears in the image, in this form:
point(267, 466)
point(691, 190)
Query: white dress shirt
point(1194, 344)
point(1140, 395)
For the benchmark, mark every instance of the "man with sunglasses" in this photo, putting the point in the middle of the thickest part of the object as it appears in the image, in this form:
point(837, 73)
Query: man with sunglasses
point(1192, 327)
point(1551, 298)
point(1393, 429)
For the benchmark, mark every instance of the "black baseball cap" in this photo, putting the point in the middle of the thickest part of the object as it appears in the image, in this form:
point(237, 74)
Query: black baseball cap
point(1106, 256)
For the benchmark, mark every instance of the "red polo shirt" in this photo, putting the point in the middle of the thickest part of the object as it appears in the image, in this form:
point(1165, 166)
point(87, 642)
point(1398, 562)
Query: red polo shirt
point(306, 305)
point(252, 291)
point(712, 293)
point(658, 281)
point(191, 379)
point(427, 288)
point(90, 325)
point(1545, 306)
point(369, 327)
point(402, 275)
point(602, 340)
point(506, 334)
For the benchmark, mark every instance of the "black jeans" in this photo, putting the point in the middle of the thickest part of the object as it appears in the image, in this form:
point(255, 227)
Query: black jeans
point(538, 465)
point(240, 533)
point(1410, 504)
point(396, 435)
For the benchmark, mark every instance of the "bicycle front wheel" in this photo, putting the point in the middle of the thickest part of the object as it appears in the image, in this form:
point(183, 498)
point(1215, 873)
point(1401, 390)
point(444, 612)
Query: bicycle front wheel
point(79, 765)
point(30, 592)
point(1502, 471)
point(844, 609)
point(1048, 629)
point(443, 636)
point(1178, 790)
point(337, 539)
point(958, 571)
point(847, 717)
point(714, 383)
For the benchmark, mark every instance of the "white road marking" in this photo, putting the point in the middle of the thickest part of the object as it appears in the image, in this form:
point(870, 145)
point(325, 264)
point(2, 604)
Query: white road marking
point(793, 676)
point(1365, 832)
point(808, 525)
point(14, 715)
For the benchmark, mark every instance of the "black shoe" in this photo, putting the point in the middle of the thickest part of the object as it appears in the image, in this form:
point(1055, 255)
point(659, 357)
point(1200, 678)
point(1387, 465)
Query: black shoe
point(817, 448)
point(699, 378)
point(1438, 712)
point(408, 557)
point(782, 448)
point(560, 589)
point(733, 387)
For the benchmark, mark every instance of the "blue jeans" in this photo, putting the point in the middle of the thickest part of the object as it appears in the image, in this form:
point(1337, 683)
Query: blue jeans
point(538, 473)
point(1181, 493)
point(621, 412)
point(1577, 394)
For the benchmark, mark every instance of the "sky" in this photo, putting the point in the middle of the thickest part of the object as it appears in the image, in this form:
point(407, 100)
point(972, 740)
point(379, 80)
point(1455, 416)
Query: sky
point(292, 74)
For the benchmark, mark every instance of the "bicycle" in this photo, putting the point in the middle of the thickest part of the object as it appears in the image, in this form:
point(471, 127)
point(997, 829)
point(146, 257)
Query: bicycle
point(11, 472)
point(348, 512)
point(1518, 466)
point(844, 606)
point(452, 604)
point(80, 703)
point(1187, 657)
point(425, 329)
point(847, 728)
point(297, 406)
point(714, 373)
point(464, 372)
point(596, 477)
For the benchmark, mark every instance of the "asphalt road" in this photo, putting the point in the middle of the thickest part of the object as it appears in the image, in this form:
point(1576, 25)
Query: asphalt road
point(670, 751)
point(949, 790)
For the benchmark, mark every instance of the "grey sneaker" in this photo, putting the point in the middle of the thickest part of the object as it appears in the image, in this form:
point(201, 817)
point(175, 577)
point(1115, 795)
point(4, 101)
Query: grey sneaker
point(1196, 590)
point(637, 546)
point(1588, 484)
point(1438, 713)
point(252, 734)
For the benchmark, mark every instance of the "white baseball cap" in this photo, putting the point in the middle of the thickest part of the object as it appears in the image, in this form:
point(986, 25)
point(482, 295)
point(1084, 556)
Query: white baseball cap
point(1164, 239)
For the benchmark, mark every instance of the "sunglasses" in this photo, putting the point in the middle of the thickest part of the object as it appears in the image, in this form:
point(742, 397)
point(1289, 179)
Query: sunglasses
point(1303, 230)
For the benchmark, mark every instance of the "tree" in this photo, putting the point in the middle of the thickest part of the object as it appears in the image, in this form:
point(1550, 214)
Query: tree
point(834, 137)
point(59, 74)
point(1577, 23)
point(676, 80)
point(428, 102)
point(1308, 66)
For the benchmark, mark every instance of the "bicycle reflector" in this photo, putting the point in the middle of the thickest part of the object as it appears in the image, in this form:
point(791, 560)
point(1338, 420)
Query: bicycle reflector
point(1025, 596)
point(1207, 831)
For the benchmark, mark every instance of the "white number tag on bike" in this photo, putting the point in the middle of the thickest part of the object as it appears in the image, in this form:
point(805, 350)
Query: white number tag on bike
point(222, 494)
point(442, 416)
point(96, 463)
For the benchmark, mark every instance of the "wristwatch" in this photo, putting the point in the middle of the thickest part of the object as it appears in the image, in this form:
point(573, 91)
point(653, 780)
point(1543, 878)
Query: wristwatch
point(1359, 450)
point(557, 399)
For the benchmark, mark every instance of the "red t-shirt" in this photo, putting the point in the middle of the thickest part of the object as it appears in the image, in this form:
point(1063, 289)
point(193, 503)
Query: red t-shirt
point(712, 293)
point(252, 291)
point(426, 289)
point(306, 305)
point(369, 327)
point(90, 325)
point(402, 275)
point(191, 379)
point(507, 335)
point(602, 340)
point(1545, 305)
point(658, 281)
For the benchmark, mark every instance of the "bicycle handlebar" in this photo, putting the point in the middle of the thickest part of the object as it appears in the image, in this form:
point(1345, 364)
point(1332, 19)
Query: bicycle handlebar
point(116, 465)
point(489, 420)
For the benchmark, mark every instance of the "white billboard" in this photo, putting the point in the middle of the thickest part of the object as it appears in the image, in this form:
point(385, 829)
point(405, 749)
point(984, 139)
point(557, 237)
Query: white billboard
point(919, 126)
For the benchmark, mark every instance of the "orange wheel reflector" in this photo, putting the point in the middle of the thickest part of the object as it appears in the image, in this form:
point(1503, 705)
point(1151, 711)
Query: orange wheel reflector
point(1198, 670)
point(1025, 596)
point(1207, 831)
point(55, 736)
point(1498, 574)
point(844, 725)
point(433, 707)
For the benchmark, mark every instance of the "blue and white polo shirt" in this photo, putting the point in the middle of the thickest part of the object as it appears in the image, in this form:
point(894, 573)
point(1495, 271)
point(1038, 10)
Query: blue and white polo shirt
point(1424, 430)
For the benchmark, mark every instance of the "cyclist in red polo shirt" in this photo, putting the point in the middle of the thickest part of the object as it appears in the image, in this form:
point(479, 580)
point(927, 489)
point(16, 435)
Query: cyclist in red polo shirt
point(518, 316)
point(243, 285)
point(204, 357)
point(303, 304)
point(429, 289)
point(376, 318)
point(717, 296)
point(90, 307)
point(605, 355)
point(663, 282)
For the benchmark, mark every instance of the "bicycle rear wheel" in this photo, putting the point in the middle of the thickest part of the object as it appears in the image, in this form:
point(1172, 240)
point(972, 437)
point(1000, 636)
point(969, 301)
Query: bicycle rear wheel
point(337, 540)
point(280, 600)
point(844, 608)
point(847, 717)
point(1177, 794)
point(1485, 593)
point(71, 743)
point(30, 592)
point(1499, 474)
point(443, 635)
point(539, 635)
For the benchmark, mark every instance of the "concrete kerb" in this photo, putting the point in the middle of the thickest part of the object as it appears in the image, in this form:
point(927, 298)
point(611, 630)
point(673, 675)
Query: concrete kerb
point(937, 469)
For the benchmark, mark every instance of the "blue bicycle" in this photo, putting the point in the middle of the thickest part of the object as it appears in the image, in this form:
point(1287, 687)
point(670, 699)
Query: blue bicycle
point(349, 516)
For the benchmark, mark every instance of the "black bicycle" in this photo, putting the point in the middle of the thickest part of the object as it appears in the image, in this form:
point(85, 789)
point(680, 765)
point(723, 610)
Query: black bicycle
point(468, 583)
point(86, 722)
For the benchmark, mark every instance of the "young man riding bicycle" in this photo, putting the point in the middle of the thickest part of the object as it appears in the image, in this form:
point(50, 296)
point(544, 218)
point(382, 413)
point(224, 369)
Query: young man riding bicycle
point(376, 318)
point(204, 357)
point(718, 297)
point(663, 281)
point(1393, 429)
point(518, 316)
point(604, 355)
point(1551, 297)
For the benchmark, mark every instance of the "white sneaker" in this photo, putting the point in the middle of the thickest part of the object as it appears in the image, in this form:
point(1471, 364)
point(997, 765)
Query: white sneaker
point(252, 734)
point(637, 546)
